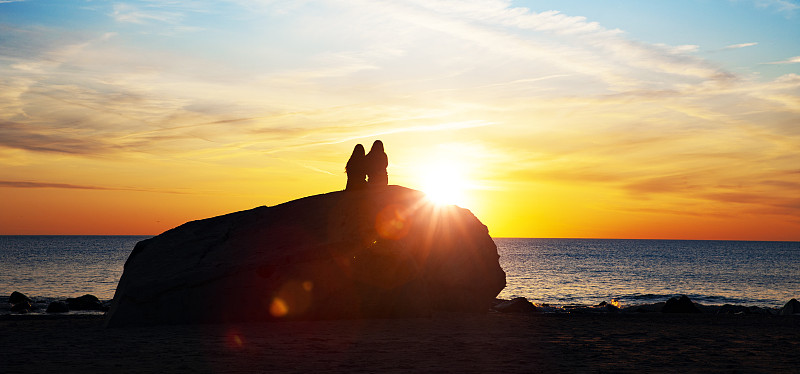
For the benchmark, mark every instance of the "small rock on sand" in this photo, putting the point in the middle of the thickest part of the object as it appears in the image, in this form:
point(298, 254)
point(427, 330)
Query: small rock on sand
point(57, 307)
point(18, 297)
point(515, 305)
point(680, 305)
point(792, 307)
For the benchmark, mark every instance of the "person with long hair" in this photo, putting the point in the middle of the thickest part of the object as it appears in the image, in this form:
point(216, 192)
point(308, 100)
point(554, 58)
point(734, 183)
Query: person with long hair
point(356, 169)
point(377, 161)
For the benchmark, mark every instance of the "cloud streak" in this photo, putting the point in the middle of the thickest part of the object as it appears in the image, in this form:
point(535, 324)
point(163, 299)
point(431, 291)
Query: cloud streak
point(740, 45)
point(585, 47)
point(791, 60)
point(787, 6)
point(31, 184)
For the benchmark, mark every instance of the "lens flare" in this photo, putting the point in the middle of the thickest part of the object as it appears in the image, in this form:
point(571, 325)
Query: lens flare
point(234, 339)
point(393, 222)
point(293, 298)
point(278, 307)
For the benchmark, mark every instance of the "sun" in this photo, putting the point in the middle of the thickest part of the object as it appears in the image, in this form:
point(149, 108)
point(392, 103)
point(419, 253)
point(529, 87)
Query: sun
point(444, 183)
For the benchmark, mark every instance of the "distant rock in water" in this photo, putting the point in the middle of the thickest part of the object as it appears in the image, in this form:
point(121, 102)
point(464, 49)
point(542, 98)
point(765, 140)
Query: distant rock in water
point(792, 307)
point(21, 307)
point(18, 297)
point(739, 309)
point(515, 305)
point(611, 307)
point(57, 307)
point(20, 303)
point(680, 305)
point(85, 302)
point(377, 252)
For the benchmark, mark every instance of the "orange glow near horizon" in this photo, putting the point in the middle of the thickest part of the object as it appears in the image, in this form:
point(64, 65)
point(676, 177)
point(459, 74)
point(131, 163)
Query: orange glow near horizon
point(521, 209)
point(545, 120)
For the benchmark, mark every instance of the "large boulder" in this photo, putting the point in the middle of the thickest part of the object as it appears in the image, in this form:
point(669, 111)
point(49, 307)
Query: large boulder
point(378, 252)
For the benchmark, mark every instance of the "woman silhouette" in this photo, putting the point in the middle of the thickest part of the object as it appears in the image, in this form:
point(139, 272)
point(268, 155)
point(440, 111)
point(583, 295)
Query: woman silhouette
point(377, 161)
point(356, 169)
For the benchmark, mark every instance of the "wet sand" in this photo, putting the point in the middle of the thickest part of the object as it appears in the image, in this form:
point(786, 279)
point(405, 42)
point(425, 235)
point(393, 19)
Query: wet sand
point(491, 343)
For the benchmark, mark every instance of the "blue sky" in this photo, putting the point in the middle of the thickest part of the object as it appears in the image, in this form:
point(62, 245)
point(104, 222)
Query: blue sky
point(766, 31)
point(670, 114)
point(713, 26)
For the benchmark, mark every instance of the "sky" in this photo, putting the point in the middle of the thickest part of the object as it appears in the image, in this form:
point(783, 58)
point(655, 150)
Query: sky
point(584, 119)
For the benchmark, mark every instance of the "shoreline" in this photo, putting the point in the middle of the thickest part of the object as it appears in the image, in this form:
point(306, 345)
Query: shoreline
point(40, 306)
point(491, 342)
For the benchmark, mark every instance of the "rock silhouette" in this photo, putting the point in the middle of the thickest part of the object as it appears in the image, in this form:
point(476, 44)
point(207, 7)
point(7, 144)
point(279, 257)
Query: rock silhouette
point(57, 307)
point(791, 307)
point(18, 297)
point(21, 307)
point(20, 303)
point(515, 305)
point(85, 302)
point(680, 305)
point(376, 252)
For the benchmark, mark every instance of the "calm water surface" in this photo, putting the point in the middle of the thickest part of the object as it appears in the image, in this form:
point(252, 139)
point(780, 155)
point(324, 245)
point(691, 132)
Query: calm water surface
point(588, 271)
point(553, 271)
point(63, 266)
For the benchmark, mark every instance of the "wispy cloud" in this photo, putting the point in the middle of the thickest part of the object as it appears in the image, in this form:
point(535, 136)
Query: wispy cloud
point(53, 140)
point(164, 18)
point(32, 184)
point(584, 47)
point(791, 60)
point(740, 45)
point(787, 6)
point(148, 12)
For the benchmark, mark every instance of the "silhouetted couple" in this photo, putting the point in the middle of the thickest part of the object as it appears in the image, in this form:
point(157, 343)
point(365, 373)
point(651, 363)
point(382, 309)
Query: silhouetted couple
point(372, 165)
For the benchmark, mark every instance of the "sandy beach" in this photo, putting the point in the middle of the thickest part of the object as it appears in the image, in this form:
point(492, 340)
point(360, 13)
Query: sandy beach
point(490, 343)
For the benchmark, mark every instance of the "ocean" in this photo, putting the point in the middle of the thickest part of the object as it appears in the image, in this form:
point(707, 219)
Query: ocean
point(558, 272)
point(57, 267)
point(589, 271)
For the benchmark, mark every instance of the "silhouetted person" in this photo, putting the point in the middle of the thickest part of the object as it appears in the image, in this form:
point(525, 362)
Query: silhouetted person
point(376, 165)
point(356, 169)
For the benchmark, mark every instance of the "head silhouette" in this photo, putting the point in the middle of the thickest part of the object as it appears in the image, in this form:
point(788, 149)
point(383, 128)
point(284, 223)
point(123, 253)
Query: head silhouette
point(358, 153)
point(377, 147)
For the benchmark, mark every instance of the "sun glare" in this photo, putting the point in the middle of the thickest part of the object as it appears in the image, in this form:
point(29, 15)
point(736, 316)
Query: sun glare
point(444, 183)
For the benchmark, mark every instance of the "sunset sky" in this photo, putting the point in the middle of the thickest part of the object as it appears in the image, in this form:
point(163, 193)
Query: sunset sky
point(591, 119)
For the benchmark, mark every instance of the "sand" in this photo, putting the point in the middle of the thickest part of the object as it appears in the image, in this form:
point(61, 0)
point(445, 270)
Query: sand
point(491, 343)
